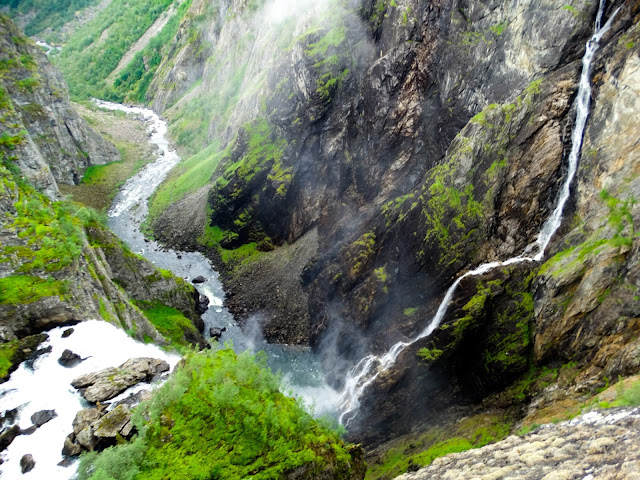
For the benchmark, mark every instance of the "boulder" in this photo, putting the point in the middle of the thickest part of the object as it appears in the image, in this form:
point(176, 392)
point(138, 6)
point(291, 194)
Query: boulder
point(42, 417)
point(216, 332)
point(71, 448)
point(69, 359)
point(110, 382)
point(27, 463)
point(116, 422)
point(199, 279)
point(67, 332)
point(85, 418)
point(202, 304)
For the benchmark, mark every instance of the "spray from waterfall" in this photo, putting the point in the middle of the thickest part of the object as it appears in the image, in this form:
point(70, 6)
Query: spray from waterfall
point(371, 366)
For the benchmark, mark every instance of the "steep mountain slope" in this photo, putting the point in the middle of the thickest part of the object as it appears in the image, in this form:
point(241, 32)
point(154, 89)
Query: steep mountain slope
point(420, 139)
point(58, 264)
point(346, 160)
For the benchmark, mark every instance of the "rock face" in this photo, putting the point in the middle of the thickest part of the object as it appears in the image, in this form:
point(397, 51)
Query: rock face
point(110, 382)
point(592, 446)
point(57, 144)
point(415, 140)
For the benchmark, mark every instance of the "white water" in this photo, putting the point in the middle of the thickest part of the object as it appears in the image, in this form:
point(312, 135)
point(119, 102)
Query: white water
point(370, 367)
point(47, 386)
point(48, 48)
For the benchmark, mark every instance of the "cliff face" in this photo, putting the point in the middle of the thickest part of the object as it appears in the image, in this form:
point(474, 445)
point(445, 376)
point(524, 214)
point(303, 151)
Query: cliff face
point(345, 164)
point(57, 144)
point(58, 264)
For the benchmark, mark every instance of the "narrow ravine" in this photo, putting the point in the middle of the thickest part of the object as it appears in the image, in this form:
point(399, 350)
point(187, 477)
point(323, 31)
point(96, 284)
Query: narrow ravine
point(370, 367)
point(43, 384)
point(301, 371)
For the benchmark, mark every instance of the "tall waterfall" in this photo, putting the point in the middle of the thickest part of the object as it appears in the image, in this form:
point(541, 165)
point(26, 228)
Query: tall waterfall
point(368, 369)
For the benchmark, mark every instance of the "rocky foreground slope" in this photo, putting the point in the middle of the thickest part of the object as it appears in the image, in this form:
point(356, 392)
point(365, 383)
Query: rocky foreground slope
point(595, 446)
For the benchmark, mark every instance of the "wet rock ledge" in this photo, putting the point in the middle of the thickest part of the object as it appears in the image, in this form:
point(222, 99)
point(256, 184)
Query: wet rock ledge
point(597, 445)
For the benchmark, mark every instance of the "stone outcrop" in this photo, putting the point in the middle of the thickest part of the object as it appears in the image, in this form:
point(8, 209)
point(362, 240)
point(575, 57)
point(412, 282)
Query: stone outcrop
point(110, 382)
point(95, 429)
point(595, 445)
point(42, 417)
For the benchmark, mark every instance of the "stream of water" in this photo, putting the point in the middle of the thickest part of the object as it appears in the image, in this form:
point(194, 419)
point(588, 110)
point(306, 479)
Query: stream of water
point(370, 367)
point(43, 384)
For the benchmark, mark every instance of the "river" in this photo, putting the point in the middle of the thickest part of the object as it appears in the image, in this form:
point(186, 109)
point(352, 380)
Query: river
point(45, 385)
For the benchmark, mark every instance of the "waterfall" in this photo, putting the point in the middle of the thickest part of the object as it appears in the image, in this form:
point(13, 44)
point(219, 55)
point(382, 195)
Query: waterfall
point(370, 367)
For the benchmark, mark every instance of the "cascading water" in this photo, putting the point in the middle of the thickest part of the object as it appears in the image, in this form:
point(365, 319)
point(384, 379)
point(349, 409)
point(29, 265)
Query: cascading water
point(45, 385)
point(370, 367)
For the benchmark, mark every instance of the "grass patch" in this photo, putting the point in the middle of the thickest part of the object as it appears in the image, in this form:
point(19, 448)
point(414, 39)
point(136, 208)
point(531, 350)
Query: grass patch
point(186, 178)
point(27, 289)
point(473, 432)
point(7, 352)
point(171, 323)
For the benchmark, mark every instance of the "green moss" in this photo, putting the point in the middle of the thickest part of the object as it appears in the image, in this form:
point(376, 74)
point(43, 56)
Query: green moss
point(19, 289)
point(429, 354)
point(381, 274)
point(333, 38)
point(620, 218)
point(498, 29)
point(360, 252)
point(7, 352)
point(409, 311)
point(171, 323)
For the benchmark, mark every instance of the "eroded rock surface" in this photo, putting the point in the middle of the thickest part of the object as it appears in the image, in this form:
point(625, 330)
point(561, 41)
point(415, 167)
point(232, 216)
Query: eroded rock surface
point(603, 446)
point(108, 383)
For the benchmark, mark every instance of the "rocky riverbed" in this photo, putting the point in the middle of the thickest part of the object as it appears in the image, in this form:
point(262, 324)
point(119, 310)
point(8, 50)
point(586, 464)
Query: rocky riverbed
point(594, 446)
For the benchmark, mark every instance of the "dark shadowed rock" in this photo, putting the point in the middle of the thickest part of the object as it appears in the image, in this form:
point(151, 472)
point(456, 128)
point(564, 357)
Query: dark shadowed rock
point(107, 383)
point(69, 359)
point(216, 332)
point(70, 448)
point(42, 417)
point(67, 332)
point(27, 463)
point(9, 436)
point(199, 279)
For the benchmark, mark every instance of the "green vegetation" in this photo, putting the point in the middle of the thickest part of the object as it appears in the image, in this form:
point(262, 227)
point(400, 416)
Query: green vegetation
point(7, 351)
point(27, 289)
point(221, 415)
point(429, 354)
point(409, 311)
point(95, 50)
point(472, 432)
point(52, 233)
point(620, 220)
point(132, 83)
point(46, 14)
point(360, 252)
point(187, 177)
point(171, 323)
